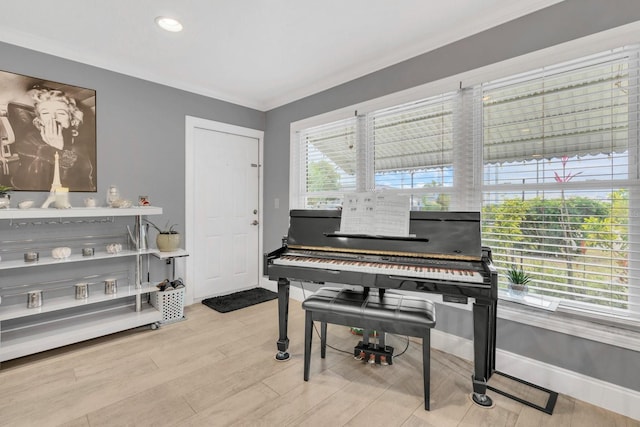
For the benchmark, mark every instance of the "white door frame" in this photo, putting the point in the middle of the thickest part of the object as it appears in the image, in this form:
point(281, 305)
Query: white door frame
point(191, 124)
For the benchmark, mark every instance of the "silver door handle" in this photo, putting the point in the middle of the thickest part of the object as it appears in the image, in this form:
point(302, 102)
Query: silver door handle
point(255, 222)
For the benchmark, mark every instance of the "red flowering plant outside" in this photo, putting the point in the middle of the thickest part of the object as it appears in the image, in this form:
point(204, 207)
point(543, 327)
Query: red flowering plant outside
point(566, 177)
point(567, 232)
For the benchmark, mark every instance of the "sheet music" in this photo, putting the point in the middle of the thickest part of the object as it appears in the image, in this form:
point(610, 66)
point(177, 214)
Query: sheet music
point(392, 215)
point(375, 214)
point(358, 213)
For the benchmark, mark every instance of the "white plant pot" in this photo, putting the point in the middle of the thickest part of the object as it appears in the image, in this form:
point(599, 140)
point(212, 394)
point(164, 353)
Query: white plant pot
point(517, 290)
point(168, 242)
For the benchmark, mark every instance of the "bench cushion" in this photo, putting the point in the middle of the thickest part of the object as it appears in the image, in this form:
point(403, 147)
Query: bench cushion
point(394, 313)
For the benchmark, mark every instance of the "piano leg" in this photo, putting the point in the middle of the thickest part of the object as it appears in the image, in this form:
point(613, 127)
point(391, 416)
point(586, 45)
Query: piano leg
point(483, 349)
point(283, 319)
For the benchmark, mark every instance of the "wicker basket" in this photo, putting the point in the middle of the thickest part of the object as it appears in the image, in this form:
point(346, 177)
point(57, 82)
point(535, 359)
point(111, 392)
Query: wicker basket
point(170, 304)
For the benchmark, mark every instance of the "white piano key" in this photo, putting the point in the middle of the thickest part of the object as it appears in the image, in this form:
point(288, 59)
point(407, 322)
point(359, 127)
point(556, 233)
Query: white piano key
point(421, 272)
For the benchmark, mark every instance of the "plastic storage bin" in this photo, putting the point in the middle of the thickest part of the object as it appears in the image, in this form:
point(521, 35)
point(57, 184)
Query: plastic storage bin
point(170, 304)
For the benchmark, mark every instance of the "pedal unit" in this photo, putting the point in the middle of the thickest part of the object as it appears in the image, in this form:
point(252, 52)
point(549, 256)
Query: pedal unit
point(373, 354)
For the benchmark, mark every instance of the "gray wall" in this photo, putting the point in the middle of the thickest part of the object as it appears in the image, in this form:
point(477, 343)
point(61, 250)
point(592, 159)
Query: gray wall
point(565, 21)
point(140, 129)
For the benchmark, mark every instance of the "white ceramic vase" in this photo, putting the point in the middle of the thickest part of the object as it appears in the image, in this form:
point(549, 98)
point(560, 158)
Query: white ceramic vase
point(168, 242)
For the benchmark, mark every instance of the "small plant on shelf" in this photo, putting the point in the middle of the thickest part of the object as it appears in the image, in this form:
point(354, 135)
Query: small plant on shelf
point(167, 229)
point(518, 281)
point(168, 239)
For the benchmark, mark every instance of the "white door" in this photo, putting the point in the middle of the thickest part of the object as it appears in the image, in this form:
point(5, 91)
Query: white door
point(225, 209)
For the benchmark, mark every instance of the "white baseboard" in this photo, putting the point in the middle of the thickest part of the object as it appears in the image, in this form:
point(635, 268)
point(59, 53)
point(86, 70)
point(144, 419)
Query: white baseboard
point(609, 396)
point(600, 393)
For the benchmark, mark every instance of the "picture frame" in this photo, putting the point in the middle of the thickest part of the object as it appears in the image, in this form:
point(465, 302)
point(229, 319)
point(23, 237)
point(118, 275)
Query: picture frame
point(40, 118)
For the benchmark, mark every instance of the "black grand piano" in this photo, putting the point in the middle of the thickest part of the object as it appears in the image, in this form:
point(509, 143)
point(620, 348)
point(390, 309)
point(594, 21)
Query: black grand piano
point(442, 255)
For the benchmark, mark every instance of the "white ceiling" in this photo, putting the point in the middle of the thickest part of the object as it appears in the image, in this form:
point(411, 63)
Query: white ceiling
point(256, 53)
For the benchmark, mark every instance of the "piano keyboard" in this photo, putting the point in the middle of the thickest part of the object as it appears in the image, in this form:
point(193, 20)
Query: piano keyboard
point(422, 272)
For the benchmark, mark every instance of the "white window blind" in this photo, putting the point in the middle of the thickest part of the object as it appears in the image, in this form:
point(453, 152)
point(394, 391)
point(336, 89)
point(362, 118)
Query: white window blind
point(414, 137)
point(329, 162)
point(413, 149)
point(559, 165)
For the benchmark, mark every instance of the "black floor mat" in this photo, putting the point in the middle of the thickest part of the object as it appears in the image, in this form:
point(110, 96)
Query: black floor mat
point(238, 300)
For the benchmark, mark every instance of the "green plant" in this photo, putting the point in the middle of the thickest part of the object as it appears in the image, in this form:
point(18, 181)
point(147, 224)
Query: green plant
point(168, 229)
point(518, 276)
point(4, 189)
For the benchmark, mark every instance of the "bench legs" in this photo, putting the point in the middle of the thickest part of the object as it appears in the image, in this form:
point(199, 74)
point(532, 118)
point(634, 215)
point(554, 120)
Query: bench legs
point(323, 339)
point(308, 335)
point(426, 366)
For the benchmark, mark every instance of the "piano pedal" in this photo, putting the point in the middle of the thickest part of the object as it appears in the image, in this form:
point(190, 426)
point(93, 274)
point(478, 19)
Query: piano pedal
point(373, 354)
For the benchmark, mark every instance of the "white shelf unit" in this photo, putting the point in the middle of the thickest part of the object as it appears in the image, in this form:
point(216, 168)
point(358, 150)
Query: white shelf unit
point(64, 320)
point(16, 311)
point(38, 213)
point(170, 257)
point(18, 342)
point(6, 265)
point(179, 253)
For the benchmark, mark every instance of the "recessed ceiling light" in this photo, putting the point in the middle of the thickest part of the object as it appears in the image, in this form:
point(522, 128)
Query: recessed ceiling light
point(169, 24)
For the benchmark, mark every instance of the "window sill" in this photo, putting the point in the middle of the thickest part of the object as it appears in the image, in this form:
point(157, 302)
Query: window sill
point(535, 301)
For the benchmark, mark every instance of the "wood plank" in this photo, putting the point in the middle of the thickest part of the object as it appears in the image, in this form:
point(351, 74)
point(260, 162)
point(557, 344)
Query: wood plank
point(219, 369)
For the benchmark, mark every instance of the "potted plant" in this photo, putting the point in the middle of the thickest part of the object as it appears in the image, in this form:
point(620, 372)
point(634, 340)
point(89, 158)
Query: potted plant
point(168, 239)
point(518, 280)
point(5, 198)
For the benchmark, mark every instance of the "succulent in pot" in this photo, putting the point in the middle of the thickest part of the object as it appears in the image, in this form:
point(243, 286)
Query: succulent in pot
point(518, 281)
point(168, 239)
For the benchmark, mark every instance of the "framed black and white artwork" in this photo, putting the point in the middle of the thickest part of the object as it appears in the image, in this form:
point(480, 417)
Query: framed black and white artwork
point(47, 132)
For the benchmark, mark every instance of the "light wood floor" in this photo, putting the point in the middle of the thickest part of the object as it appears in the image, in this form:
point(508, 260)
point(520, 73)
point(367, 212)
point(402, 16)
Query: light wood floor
point(217, 369)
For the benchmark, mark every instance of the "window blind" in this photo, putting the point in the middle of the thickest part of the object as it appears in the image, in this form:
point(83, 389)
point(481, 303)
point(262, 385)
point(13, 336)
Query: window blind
point(581, 108)
point(413, 143)
point(329, 161)
point(559, 168)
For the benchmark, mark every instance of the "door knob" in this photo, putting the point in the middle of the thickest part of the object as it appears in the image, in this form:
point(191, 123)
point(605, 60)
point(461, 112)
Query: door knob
point(255, 222)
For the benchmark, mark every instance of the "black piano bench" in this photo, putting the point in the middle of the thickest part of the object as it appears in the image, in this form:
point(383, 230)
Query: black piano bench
point(393, 313)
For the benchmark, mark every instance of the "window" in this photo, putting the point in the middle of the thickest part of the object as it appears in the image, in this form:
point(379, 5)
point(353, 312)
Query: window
point(558, 170)
point(416, 137)
point(328, 163)
point(407, 148)
point(550, 157)
point(413, 150)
